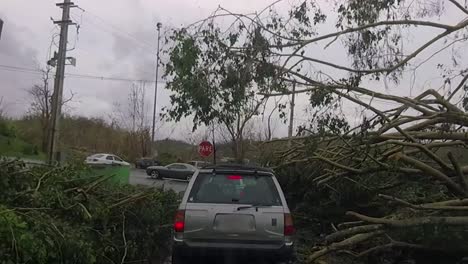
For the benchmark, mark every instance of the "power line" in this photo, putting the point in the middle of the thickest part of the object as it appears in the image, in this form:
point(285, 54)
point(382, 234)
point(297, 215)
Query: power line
point(102, 78)
point(75, 75)
point(19, 69)
point(115, 30)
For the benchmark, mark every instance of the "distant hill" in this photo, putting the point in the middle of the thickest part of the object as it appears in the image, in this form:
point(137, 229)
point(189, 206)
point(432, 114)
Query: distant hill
point(176, 148)
point(82, 136)
point(13, 146)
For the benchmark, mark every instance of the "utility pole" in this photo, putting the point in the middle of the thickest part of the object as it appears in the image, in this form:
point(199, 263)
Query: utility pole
point(214, 144)
point(158, 26)
point(54, 139)
point(291, 113)
point(1, 27)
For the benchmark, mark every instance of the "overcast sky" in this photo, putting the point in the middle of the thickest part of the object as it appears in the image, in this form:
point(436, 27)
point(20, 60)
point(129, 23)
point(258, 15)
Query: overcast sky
point(117, 38)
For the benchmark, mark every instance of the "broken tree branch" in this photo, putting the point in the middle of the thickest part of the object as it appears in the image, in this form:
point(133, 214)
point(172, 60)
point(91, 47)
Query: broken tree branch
point(423, 207)
point(448, 220)
point(349, 242)
point(431, 171)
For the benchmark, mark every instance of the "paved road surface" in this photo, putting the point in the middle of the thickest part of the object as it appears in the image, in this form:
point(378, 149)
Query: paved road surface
point(138, 176)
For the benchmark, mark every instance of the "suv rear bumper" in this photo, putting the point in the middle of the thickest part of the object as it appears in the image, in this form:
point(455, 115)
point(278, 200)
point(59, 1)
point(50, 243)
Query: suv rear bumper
point(275, 252)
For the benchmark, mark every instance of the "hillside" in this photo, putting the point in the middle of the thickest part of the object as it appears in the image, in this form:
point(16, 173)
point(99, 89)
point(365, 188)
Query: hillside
point(13, 146)
point(83, 136)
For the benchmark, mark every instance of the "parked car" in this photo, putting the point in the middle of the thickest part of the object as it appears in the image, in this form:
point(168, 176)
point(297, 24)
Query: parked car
point(144, 163)
point(180, 171)
point(105, 159)
point(198, 164)
point(235, 210)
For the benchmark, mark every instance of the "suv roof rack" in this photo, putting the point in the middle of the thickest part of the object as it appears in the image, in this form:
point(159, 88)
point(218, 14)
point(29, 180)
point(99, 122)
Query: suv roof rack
point(231, 166)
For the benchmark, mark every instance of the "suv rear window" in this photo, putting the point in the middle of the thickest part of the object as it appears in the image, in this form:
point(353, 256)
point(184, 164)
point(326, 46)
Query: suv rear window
point(233, 188)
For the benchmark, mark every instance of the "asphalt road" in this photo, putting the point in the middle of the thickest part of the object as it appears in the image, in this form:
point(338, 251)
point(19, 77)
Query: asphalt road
point(139, 177)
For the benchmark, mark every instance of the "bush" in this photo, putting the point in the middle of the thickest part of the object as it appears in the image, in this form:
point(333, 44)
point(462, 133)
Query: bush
point(67, 215)
point(6, 130)
point(30, 150)
point(167, 158)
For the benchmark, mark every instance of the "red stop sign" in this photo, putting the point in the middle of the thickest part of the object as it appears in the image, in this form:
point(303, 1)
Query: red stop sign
point(205, 148)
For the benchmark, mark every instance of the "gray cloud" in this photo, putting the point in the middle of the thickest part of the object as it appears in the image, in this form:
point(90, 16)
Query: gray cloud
point(16, 50)
point(115, 43)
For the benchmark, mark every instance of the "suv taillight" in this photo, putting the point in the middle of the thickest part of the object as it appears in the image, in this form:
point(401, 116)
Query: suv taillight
point(179, 221)
point(289, 229)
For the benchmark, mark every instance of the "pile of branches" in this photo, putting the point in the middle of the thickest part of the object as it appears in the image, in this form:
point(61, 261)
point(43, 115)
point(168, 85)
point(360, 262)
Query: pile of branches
point(71, 215)
point(407, 165)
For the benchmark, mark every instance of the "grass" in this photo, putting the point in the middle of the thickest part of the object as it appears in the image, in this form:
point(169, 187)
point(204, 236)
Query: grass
point(14, 147)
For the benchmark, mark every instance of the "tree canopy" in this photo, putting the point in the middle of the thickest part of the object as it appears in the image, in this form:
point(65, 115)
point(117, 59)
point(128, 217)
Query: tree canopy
point(399, 158)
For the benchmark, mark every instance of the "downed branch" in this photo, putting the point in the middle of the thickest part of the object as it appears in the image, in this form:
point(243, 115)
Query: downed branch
point(351, 231)
point(422, 206)
point(396, 244)
point(349, 242)
point(427, 220)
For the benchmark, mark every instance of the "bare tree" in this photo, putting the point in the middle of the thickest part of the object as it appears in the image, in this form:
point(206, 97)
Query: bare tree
point(41, 104)
point(270, 124)
point(132, 116)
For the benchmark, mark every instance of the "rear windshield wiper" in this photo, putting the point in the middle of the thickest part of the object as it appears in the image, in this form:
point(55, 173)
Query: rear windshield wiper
point(252, 206)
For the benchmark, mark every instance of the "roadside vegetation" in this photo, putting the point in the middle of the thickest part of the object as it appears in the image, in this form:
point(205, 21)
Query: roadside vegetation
point(11, 145)
point(69, 215)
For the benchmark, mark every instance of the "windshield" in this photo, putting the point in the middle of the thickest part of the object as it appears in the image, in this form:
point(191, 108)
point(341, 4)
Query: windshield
point(234, 189)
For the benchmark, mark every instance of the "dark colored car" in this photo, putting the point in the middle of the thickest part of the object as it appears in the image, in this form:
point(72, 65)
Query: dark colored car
point(144, 163)
point(180, 171)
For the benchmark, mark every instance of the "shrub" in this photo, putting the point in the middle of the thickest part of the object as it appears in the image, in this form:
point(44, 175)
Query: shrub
point(30, 149)
point(6, 129)
point(68, 215)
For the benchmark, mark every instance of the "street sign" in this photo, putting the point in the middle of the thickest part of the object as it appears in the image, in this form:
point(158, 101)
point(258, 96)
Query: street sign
point(205, 148)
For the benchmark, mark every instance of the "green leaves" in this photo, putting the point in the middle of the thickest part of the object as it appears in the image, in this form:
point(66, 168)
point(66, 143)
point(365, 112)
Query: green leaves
point(212, 80)
point(73, 218)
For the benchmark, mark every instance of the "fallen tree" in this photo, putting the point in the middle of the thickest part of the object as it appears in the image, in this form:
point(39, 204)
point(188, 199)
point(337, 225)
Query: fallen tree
point(70, 215)
point(390, 179)
point(404, 164)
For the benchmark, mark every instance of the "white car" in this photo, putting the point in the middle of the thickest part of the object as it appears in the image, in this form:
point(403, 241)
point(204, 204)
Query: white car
point(105, 159)
point(198, 164)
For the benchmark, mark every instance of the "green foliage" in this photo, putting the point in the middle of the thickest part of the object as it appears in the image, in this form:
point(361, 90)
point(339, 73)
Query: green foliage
point(362, 12)
point(30, 150)
point(211, 81)
point(15, 147)
point(68, 215)
point(6, 129)
point(167, 158)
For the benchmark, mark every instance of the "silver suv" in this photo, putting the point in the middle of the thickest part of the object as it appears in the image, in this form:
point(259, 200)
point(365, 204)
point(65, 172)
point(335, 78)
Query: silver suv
point(236, 211)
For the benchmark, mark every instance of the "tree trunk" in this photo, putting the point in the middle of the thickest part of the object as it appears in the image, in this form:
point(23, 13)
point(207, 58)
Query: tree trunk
point(45, 139)
point(238, 150)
